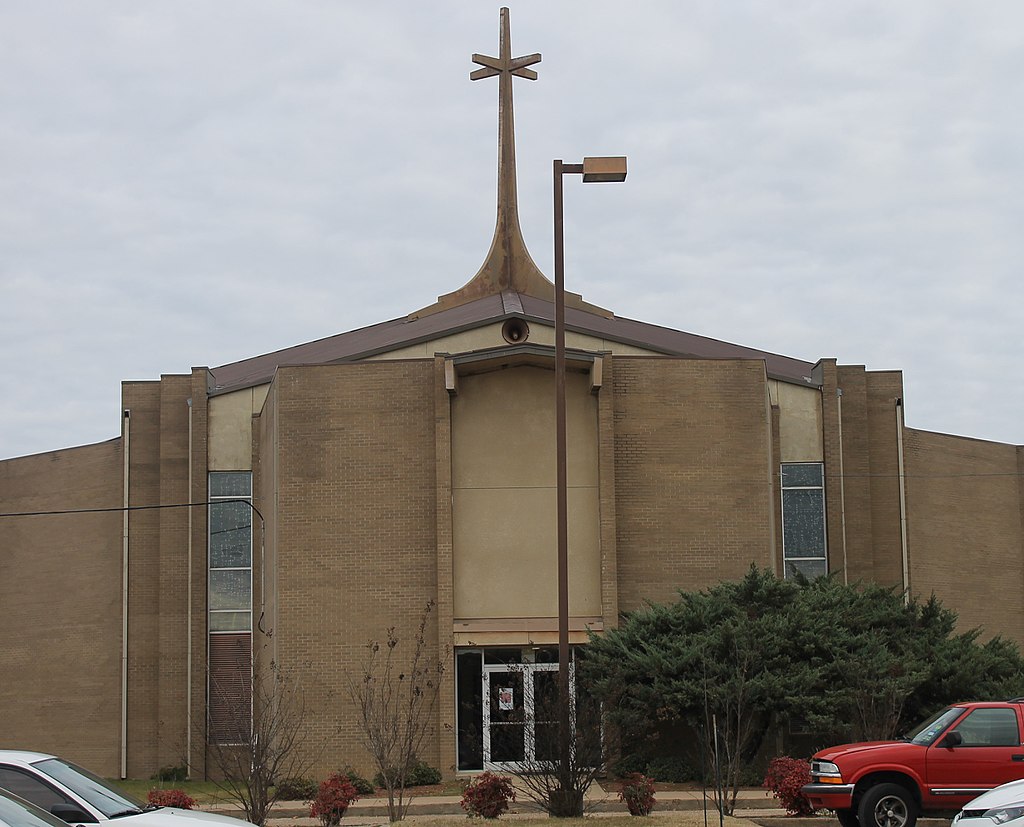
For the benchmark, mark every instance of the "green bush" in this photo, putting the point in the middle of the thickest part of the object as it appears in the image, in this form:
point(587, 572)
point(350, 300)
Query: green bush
point(629, 764)
point(671, 768)
point(420, 774)
point(363, 785)
point(296, 789)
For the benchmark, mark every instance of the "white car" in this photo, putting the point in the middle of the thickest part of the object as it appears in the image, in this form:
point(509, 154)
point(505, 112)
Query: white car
point(16, 812)
point(997, 806)
point(79, 797)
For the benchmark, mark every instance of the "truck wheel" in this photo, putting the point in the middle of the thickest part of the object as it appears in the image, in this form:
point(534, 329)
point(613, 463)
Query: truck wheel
point(847, 818)
point(887, 805)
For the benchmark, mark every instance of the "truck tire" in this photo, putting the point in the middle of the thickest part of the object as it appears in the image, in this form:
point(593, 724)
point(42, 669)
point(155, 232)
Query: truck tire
point(887, 805)
point(847, 818)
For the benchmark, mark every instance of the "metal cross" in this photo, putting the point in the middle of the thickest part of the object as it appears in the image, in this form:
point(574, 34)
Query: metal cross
point(505, 62)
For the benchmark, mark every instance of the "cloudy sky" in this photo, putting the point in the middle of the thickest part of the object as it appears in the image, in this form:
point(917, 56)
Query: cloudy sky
point(192, 183)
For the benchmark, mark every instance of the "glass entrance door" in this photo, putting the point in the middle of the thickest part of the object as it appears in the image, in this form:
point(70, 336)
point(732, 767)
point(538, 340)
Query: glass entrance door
point(520, 723)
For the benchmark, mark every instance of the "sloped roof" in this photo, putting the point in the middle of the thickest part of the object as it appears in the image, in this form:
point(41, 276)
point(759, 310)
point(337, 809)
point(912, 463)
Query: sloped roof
point(408, 330)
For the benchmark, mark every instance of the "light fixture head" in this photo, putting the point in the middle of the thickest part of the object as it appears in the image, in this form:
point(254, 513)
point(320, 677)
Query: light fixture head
point(604, 170)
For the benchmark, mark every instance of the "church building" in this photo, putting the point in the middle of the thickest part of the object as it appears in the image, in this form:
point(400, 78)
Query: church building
point(298, 504)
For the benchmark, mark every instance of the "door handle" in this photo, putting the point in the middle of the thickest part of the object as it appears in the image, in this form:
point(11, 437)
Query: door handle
point(1017, 757)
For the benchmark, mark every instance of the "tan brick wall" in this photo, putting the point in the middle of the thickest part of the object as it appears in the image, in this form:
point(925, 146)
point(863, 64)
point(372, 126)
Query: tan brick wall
point(196, 715)
point(158, 571)
point(356, 530)
point(883, 389)
point(606, 486)
point(142, 399)
point(172, 674)
point(693, 474)
point(60, 605)
point(965, 529)
point(445, 550)
point(862, 473)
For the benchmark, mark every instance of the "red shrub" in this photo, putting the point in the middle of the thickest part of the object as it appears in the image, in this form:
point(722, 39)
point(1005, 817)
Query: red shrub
point(171, 798)
point(638, 793)
point(784, 778)
point(332, 799)
point(488, 796)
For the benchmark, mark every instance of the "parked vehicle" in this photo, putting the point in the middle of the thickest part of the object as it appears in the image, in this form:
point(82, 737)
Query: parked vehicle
point(998, 806)
point(953, 757)
point(79, 797)
point(16, 812)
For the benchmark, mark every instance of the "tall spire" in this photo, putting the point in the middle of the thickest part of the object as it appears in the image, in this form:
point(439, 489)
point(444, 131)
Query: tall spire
point(508, 265)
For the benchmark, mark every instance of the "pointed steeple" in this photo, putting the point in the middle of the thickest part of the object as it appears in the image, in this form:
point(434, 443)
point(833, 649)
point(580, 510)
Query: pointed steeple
point(508, 265)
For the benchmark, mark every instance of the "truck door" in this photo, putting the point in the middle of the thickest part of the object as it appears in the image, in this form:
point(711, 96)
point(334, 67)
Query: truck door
point(989, 754)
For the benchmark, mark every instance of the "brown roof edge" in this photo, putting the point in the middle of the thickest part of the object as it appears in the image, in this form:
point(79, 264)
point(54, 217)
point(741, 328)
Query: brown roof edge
point(404, 331)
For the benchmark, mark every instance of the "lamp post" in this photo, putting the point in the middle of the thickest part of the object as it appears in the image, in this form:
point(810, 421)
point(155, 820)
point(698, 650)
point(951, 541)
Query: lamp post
point(606, 169)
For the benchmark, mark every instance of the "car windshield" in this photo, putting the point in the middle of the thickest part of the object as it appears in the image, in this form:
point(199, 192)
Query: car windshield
point(92, 788)
point(926, 733)
point(16, 812)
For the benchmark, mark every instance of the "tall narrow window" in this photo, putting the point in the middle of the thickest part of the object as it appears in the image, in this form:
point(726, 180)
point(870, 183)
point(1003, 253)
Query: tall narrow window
point(803, 519)
point(229, 601)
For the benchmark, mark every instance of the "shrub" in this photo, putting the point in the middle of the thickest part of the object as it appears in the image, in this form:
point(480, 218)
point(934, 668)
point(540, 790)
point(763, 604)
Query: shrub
point(671, 768)
point(332, 799)
point(488, 795)
point(177, 774)
point(784, 778)
point(296, 789)
point(627, 764)
point(171, 798)
point(363, 785)
point(420, 774)
point(638, 793)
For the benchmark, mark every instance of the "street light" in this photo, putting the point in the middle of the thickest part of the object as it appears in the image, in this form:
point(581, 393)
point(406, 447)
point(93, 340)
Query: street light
point(593, 170)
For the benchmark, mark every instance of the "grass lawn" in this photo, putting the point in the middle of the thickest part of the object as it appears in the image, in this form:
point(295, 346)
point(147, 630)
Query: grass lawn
point(204, 792)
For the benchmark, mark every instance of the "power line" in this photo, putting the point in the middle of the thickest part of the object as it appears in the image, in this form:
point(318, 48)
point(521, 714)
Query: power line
point(120, 509)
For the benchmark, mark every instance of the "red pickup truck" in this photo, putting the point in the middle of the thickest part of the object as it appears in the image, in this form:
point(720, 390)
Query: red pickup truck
point(942, 764)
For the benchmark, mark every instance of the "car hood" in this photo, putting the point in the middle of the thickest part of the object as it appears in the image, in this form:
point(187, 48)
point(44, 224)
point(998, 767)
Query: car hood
point(1011, 793)
point(891, 747)
point(175, 817)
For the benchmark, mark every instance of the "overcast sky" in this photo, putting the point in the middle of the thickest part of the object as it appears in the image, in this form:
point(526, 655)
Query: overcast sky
point(192, 183)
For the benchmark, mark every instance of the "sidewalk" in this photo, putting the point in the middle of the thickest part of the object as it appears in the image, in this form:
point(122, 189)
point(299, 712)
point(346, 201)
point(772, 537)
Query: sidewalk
point(371, 809)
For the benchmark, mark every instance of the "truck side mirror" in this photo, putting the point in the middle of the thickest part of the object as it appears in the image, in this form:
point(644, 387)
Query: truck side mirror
point(951, 739)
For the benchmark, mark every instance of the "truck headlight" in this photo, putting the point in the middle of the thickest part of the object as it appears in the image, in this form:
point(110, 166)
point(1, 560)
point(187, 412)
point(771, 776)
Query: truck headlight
point(825, 772)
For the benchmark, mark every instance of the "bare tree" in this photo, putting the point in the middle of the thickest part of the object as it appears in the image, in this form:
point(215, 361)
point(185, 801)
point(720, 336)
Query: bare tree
point(396, 698)
point(255, 747)
point(558, 789)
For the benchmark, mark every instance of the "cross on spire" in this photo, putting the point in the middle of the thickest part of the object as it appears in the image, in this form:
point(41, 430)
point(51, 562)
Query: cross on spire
point(508, 266)
point(505, 62)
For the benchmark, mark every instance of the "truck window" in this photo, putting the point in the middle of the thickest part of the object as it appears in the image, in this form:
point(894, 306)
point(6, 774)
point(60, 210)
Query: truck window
point(931, 729)
point(989, 728)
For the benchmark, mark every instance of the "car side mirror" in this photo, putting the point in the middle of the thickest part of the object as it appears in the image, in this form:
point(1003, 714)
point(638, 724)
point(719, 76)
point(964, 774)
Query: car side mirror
point(951, 739)
point(71, 814)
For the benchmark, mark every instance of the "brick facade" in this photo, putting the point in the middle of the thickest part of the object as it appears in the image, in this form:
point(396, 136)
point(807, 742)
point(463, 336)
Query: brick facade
point(965, 524)
point(355, 550)
point(693, 474)
point(60, 604)
point(352, 468)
